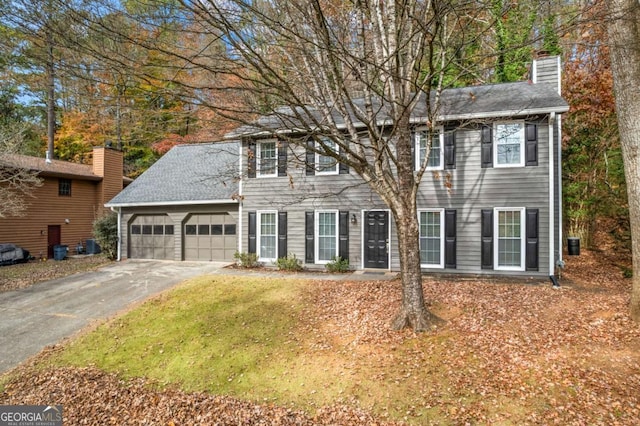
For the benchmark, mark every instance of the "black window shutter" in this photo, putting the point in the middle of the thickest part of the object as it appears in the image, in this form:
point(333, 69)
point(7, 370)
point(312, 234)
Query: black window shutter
point(343, 169)
point(343, 235)
point(531, 144)
point(487, 239)
point(487, 147)
point(309, 248)
point(251, 159)
point(311, 158)
point(282, 234)
point(531, 224)
point(252, 232)
point(282, 158)
point(450, 239)
point(449, 149)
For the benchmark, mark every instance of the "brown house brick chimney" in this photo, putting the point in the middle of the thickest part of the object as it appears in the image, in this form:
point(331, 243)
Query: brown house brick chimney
point(108, 163)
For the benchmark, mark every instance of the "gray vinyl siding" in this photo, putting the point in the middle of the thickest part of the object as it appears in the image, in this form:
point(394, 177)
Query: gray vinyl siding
point(472, 189)
point(298, 193)
point(178, 215)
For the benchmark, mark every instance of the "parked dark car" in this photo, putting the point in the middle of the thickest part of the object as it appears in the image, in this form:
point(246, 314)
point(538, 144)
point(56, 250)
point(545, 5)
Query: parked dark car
point(11, 253)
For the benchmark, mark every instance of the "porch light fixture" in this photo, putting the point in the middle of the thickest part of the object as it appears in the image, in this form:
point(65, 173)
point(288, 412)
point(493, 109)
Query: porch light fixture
point(353, 219)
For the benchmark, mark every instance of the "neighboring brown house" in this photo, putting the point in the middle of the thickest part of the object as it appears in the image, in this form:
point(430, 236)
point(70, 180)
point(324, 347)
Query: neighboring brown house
point(63, 209)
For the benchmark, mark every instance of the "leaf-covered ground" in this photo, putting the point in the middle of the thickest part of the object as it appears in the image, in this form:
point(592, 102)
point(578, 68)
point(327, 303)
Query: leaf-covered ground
point(14, 277)
point(510, 353)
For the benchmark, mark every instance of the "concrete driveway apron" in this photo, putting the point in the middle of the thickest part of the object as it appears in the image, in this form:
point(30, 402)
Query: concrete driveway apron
point(45, 313)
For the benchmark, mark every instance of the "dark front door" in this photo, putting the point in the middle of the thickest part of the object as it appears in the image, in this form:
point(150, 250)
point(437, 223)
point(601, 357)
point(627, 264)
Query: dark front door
point(376, 239)
point(53, 239)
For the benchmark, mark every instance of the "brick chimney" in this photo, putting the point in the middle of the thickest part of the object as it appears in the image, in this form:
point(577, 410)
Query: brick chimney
point(547, 70)
point(108, 163)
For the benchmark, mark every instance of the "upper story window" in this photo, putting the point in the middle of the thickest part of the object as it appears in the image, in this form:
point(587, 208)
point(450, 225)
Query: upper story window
point(434, 149)
point(267, 158)
point(64, 187)
point(326, 164)
point(509, 144)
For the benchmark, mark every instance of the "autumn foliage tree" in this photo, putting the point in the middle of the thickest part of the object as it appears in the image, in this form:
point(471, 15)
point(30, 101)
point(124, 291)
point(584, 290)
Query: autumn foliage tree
point(594, 184)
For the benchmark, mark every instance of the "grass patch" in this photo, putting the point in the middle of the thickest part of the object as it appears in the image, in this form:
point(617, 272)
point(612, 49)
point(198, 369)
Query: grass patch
point(228, 336)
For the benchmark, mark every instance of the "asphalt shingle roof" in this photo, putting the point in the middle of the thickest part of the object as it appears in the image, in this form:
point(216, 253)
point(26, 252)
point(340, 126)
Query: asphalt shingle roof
point(55, 168)
point(187, 174)
point(468, 103)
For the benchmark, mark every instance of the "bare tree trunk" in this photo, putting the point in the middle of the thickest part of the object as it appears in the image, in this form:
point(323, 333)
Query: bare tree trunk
point(51, 107)
point(413, 312)
point(624, 40)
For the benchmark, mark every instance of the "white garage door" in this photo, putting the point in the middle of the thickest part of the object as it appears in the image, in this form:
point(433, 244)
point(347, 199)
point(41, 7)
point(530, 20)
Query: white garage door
point(152, 237)
point(210, 237)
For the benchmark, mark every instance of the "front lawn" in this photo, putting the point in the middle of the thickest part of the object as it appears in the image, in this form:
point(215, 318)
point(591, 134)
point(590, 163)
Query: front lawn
point(283, 351)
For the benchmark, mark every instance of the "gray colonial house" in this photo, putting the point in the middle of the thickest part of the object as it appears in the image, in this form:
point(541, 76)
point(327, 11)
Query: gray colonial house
point(489, 203)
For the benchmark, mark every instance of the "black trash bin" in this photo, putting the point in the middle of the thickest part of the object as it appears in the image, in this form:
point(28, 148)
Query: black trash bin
point(573, 246)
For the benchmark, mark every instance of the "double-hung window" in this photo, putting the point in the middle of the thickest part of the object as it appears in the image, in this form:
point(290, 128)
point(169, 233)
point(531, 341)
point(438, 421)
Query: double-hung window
point(267, 237)
point(267, 158)
point(509, 144)
point(509, 229)
point(431, 238)
point(326, 164)
point(64, 187)
point(326, 224)
point(429, 144)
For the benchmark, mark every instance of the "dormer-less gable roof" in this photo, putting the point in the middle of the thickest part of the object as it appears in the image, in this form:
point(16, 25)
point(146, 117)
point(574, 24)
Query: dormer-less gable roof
point(187, 174)
point(490, 101)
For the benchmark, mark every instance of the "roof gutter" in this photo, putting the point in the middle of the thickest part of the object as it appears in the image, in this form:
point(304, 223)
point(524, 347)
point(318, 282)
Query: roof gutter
point(170, 203)
point(413, 120)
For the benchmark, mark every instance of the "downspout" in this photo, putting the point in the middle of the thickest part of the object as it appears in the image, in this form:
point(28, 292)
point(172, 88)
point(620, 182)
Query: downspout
point(241, 180)
point(119, 211)
point(552, 213)
point(560, 207)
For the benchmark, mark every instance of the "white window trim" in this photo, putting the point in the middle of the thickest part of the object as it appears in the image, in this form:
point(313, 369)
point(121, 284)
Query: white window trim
point(336, 169)
point(316, 232)
point(523, 237)
point(418, 161)
point(495, 144)
point(441, 211)
point(259, 214)
point(259, 162)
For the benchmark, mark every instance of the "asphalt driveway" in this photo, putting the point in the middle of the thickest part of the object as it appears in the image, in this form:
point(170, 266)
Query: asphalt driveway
point(45, 313)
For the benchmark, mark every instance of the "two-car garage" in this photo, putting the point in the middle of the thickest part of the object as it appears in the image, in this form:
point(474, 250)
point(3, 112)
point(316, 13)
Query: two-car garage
point(194, 236)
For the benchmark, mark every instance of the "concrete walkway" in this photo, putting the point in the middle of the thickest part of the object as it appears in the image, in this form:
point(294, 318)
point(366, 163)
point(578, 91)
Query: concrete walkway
point(45, 313)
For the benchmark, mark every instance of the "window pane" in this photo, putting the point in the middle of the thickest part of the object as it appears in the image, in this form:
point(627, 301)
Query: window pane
point(135, 229)
point(509, 138)
point(203, 229)
point(146, 229)
point(509, 238)
point(230, 230)
point(158, 229)
point(435, 155)
point(190, 229)
point(430, 238)
point(267, 160)
point(327, 236)
point(168, 229)
point(327, 163)
point(268, 235)
point(216, 229)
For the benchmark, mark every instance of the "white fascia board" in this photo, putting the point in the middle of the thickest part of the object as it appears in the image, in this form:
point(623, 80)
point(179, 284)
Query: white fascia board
point(171, 203)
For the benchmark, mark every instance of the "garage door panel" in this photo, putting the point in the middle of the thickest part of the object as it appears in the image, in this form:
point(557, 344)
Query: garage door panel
point(210, 237)
point(152, 237)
